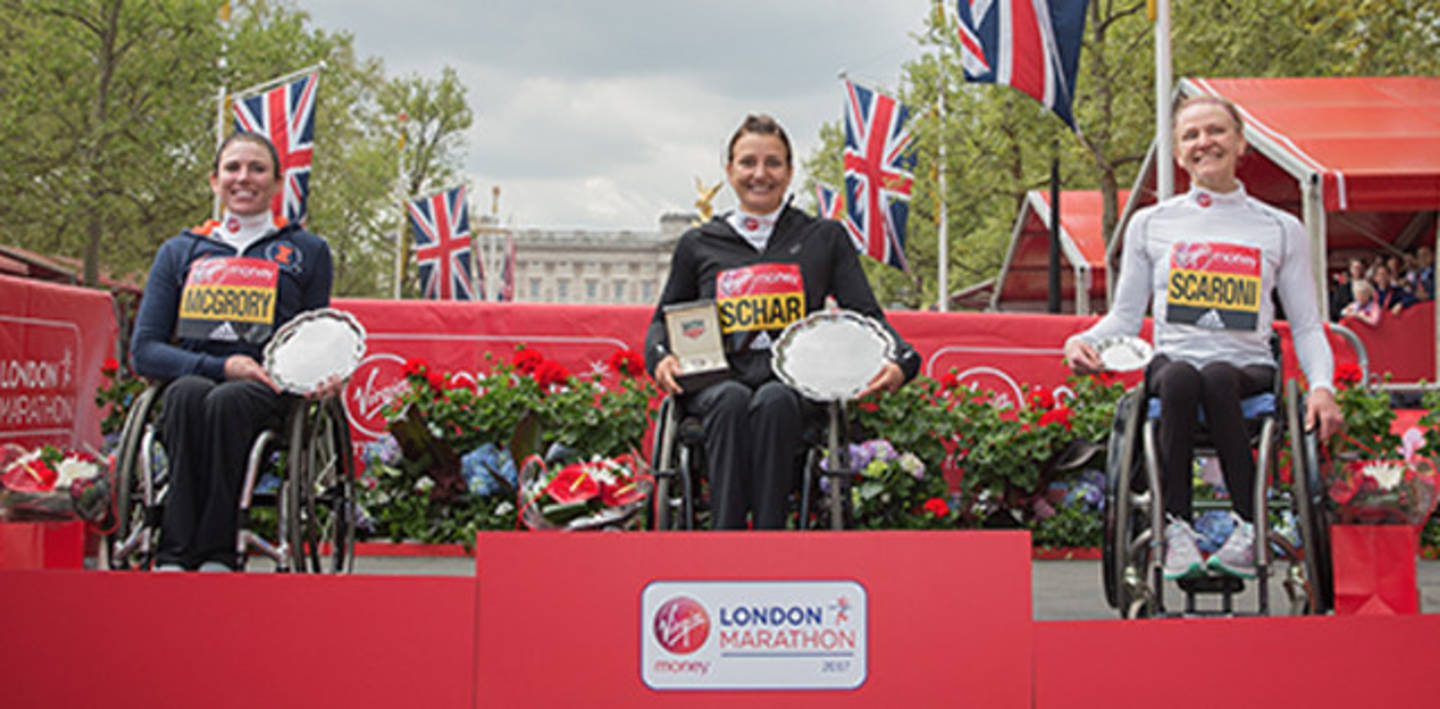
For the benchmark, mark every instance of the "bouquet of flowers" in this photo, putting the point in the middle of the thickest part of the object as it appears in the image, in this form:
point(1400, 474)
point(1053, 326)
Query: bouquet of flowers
point(47, 483)
point(1384, 490)
point(1375, 476)
point(602, 493)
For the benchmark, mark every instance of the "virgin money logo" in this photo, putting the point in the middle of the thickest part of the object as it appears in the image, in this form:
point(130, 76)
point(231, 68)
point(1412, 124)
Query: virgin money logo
point(379, 380)
point(1191, 256)
point(733, 281)
point(682, 625)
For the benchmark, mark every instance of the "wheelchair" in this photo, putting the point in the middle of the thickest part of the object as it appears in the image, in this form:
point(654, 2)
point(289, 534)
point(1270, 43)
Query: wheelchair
point(677, 460)
point(1133, 547)
point(314, 503)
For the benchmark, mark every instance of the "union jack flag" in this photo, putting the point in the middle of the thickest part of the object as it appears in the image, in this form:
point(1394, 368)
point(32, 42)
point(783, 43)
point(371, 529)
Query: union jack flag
point(441, 226)
point(285, 115)
point(878, 181)
point(1031, 45)
point(828, 204)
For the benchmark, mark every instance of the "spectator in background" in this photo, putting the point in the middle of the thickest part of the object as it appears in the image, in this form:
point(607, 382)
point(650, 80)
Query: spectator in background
point(1425, 273)
point(1364, 307)
point(1342, 295)
point(1388, 293)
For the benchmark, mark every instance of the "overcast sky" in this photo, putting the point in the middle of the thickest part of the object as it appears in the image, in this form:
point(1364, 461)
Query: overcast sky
point(602, 114)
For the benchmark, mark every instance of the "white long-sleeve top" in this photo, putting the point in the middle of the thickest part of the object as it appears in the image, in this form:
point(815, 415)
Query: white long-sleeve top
point(1206, 262)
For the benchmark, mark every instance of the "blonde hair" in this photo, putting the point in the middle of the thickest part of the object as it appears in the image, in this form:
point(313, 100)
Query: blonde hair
point(1182, 104)
point(1362, 287)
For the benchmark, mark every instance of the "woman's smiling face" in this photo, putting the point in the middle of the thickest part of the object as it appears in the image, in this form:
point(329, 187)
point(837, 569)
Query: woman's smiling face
point(759, 171)
point(1208, 145)
point(245, 178)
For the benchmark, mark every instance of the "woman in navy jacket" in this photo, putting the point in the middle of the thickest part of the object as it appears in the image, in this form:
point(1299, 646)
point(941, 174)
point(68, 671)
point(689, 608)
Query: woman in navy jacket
point(215, 295)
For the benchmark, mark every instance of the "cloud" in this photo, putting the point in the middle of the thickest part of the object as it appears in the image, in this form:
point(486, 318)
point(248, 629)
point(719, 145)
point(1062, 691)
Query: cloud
point(602, 114)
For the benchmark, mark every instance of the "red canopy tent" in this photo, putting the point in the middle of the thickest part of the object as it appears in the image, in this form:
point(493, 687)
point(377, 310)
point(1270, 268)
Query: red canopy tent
point(1023, 284)
point(1357, 159)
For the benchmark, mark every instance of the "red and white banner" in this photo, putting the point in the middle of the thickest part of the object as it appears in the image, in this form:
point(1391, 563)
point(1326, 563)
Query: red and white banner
point(995, 351)
point(53, 341)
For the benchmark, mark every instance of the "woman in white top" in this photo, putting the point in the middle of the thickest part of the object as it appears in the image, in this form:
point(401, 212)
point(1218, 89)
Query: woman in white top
point(1205, 262)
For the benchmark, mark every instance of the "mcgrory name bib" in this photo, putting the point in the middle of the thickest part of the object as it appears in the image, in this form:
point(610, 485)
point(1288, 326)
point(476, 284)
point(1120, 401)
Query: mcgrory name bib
point(229, 299)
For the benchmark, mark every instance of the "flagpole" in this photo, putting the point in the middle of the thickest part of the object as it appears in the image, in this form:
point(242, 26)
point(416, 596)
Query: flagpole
point(404, 207)
point(220, 94)
point(1164, 162)
point(943, 232)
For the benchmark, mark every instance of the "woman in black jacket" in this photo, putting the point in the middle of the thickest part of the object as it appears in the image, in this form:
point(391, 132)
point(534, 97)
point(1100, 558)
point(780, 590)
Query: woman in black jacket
point(766, 265)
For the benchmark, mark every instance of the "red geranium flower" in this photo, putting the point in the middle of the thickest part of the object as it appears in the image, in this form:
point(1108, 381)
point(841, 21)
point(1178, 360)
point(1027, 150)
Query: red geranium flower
point(527, 360)
point(949, 381)
point(1060, 415)
point(1042, 399)
point(414, 367)
point(936, 506)
point(436, 379)
point(573, 483)
point(1347, 373)
point(550, 373)
point(110, 367)
point(627, 363)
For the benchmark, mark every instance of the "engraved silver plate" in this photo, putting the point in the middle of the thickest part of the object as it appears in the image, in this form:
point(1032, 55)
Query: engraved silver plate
point(1124, 354)
point(831, 355)
point(314, 346)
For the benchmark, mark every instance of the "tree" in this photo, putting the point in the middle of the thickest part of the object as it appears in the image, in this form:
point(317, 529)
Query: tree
point(91, 95)
point(999, 142)
point(435, 118)
point(108, 112)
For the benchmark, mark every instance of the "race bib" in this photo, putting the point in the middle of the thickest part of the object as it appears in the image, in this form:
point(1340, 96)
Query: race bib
point(758, 299)
point(1214, 285)
point(229, 300)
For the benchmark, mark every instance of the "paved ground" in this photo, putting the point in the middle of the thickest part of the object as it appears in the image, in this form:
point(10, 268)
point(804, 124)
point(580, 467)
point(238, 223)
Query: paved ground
point(1062, 590)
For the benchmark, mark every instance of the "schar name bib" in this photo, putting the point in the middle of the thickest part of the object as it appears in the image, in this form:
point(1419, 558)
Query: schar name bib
point(1214, 285)
point(229, 299)
point(760, 298)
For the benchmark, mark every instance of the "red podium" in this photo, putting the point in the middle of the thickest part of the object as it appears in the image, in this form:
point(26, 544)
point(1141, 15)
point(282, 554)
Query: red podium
point(715, 618)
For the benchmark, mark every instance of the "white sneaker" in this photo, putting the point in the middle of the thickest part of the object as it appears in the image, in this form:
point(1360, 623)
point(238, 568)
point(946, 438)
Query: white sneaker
point(1237, 555)
point(1182, 556)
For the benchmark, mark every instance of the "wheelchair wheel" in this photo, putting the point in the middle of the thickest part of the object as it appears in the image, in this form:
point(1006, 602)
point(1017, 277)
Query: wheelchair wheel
point(662, 466)
point(319, 494)
point(1308, 502)
point(1120, 519)
point(132, 544)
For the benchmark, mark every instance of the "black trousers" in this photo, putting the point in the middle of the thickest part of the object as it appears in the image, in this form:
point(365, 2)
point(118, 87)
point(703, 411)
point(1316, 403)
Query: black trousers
point(752, 437)
point(1218, 388)
point(208, 428)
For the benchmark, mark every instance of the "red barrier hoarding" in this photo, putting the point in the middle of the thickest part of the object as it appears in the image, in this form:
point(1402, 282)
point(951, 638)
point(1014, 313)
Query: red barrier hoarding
point(995, 351)
point(53, 341)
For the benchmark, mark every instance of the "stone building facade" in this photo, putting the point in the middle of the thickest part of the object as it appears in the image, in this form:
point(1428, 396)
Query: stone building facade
point(592, 266)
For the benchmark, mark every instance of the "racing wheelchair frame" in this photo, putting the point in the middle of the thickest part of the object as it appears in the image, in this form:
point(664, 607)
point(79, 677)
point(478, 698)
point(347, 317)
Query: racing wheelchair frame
point(1133, 547)
point(314, 503)
point(677, 462)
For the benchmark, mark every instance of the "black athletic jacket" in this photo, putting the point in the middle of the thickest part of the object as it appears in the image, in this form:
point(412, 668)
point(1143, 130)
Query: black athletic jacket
point(827, 264)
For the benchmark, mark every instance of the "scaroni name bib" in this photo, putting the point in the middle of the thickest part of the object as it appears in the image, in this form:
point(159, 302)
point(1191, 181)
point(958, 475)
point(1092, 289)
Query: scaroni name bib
point(1214, 285)
point(229, 299)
